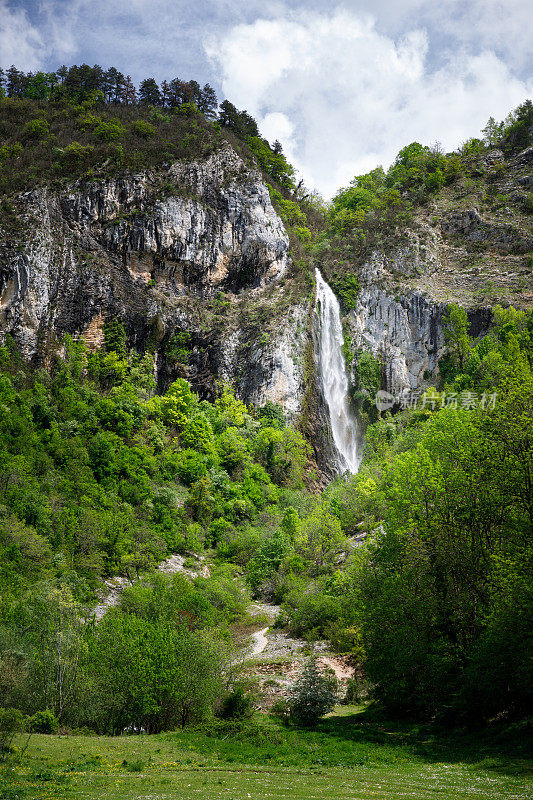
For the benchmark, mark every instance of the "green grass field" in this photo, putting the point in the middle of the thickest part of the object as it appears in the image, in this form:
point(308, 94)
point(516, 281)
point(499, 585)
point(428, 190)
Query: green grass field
point(350, 755)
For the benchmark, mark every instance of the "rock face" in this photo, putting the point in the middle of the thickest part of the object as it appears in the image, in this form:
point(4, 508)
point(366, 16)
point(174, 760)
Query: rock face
point(470, 226)
point(155, 250)
point(396, 322)
point(275, 371)
point(405, 332)
point(216, 228)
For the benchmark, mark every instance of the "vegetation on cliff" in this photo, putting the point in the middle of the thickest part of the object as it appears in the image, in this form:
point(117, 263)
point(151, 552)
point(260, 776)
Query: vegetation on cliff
point(422, 186)
point(84, 122)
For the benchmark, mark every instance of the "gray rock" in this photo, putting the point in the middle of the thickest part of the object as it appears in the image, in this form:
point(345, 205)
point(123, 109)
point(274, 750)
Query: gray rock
point(140, 248)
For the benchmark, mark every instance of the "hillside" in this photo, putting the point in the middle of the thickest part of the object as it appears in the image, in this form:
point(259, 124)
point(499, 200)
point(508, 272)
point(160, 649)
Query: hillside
point(163, 401)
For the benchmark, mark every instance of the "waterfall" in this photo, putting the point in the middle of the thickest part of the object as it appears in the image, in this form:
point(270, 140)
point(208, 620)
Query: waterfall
point(334, 377)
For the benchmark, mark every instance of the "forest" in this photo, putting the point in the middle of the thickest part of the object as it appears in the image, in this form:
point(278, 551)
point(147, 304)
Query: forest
point(417, 570)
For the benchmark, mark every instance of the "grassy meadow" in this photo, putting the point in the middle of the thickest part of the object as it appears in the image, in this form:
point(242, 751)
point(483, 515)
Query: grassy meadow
point(352, 754)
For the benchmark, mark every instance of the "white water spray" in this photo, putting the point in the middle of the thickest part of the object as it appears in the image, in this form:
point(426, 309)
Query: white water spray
point(332, 370)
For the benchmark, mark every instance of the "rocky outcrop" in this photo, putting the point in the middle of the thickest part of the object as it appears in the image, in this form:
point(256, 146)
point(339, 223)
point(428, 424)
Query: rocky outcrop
point(395, 321)
point(197, 249)
point(404, 332)
point(274, 369)
point(470, 226)
point(153, 249)
point(215, 229)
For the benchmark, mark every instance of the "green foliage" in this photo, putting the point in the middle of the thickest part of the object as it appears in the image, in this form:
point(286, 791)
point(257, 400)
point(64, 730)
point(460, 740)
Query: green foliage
point(283, 453)
point(237, 705)
point(44, 722)
point(177, 349)
point(428, 597)
point(346, 287)
point(109, 131)
point(58, 137)
point(367, 373)
point(319, 539)
point(239, 122)
point(115, 337)
point(12, 722)
point(162, 676)
point(268, 559)
point(75, 156)
point(143, 129)
point(35, 129)
point(313, 695)
point(273, 163)
point(455, 325)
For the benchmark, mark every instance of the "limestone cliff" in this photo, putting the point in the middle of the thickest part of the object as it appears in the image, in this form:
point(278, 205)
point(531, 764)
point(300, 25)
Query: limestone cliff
point(176, 250)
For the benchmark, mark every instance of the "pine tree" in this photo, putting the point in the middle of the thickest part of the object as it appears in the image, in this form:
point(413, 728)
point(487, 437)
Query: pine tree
point(313, 695)
point(62, 73)
point(149, 92)
point(118, 88)
point(15, 80)
point(195, 92)
point(179, 92)
point(208, 102)
point(109, 84)
point(129, 93)
point(165, 94)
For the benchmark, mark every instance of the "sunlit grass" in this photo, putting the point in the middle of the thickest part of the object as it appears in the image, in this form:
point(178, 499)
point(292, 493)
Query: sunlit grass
point(351, 755)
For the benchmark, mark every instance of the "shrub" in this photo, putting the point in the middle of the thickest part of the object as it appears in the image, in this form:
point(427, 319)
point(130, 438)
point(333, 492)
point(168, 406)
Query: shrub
point(190, 466)
point(109, 131)
point(76, 154)
point(133, 766)
point(44, 722)
point(143, 129)
point(11, 723)
point(346, 287)
point(313, 695)
point(281, 710)
point(34, 129)
point(237, 705)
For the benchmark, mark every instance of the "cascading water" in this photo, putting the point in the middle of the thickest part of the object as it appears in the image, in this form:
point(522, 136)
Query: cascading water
point(332, 370)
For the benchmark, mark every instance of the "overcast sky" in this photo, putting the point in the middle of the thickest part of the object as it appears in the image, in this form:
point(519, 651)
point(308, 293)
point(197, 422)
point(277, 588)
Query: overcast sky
point(343, 86)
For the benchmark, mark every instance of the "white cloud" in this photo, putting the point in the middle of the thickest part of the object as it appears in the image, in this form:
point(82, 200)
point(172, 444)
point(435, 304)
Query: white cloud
point(20, 42)
point(343, 97)
point(502, 27)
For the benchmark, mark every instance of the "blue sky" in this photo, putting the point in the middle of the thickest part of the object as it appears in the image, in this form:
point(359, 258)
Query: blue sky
point(343, 85)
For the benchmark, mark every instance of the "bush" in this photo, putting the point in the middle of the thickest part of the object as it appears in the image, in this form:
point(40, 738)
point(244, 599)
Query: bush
point(11, 723)
point(44, 722)
point(354, 692)
point(133, 766)
point(314, 694)
point(281, 710)
point(237, 705)
point(190, 466)
point(34, 129)
point(109, 131)
point(143, 129)
point(75, 154)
